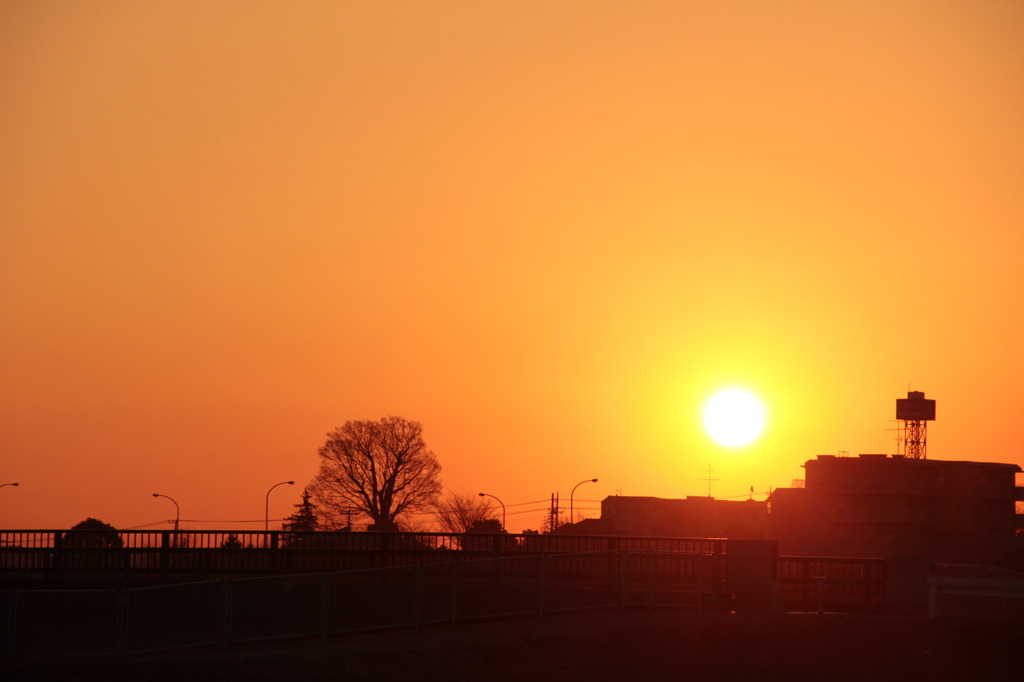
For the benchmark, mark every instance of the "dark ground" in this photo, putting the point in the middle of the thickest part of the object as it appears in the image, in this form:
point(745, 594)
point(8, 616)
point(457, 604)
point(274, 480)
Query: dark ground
point(617, 646)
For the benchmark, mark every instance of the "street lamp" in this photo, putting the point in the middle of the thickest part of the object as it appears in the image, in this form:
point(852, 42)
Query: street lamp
point(589, 480)
point(266, 508)
point(2, 485)
point(502, 510)
point(177, 514)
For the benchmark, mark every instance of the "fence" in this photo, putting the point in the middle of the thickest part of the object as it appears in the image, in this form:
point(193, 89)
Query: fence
point(49, 623)
point(959, 590)
point(239, 539)
point(224, 613)
point(100, 558)
point(833, 584)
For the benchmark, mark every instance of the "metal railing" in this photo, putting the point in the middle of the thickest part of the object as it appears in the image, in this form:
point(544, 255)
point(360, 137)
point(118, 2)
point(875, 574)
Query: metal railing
point(53, 623)
point(276, 539)
point(319, 604)
point(44, 557)
point(959, 589)
point(832, 583)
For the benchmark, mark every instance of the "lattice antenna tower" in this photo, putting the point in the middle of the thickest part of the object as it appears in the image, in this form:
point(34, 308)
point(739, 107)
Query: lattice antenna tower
point(915, 411)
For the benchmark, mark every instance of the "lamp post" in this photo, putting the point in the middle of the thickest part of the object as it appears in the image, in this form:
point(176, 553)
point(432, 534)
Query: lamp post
point(177, 516)
point(3, 485)
point(266, 508)
point(572, 518)
point(502, 509)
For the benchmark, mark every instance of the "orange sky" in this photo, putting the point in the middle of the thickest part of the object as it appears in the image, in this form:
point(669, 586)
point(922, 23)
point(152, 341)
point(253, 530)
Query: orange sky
point(546, 230)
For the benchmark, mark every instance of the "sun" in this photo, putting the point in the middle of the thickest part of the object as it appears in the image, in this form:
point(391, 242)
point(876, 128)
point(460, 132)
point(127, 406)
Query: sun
point(733, 417)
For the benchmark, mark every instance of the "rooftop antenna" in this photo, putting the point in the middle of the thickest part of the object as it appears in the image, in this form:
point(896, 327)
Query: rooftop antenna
point(709, 479)
point(916, 412)
point(899, 435)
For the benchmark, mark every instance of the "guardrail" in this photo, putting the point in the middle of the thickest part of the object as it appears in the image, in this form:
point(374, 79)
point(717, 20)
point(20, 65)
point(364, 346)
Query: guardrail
point(44, 560)
point(957, 589)
point(225, 613)
point(832, 583)
point(276, 539)
point(51, 622)
point(46, 557)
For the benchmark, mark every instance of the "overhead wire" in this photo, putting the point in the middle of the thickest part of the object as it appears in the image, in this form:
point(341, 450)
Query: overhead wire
point(539, 515)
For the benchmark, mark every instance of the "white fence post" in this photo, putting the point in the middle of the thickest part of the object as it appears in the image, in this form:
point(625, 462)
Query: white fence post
point(819, 582)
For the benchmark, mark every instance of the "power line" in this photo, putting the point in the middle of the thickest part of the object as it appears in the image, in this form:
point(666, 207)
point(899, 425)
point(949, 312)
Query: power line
point(736, 497)
point(160, 523)
point(147, 525)
point(226, 521)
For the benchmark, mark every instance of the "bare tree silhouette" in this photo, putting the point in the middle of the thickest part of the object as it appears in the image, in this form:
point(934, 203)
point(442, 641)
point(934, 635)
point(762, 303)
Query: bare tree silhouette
point(380, 469)
point(458, 512)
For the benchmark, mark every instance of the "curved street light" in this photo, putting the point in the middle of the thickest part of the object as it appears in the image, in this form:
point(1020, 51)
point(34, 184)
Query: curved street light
point(177, 514)
point(3, 485)
point(502, 510)
point(266, 508)
point(572, 518)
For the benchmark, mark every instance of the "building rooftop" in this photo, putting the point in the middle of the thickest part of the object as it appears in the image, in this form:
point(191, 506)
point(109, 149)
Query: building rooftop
point(874, 458)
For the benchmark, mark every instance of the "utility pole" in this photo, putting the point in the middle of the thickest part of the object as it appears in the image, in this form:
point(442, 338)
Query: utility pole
point(553, 512)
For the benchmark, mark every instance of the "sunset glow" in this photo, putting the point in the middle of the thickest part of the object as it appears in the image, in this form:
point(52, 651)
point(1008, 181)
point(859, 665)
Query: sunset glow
point(546, 231)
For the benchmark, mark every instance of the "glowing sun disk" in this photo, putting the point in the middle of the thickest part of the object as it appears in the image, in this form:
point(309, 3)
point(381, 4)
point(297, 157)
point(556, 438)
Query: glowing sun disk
point(733, 417)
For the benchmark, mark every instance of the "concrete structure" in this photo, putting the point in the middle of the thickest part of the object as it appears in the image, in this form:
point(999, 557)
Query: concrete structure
point(692, 517)
point(881, 506)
